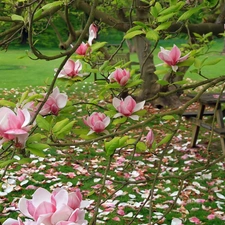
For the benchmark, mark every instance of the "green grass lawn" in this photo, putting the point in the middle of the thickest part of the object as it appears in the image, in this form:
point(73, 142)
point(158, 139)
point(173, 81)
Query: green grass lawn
point(18, 70)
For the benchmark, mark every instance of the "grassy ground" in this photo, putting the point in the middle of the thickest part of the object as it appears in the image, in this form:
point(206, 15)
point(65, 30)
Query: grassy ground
point(82, 167)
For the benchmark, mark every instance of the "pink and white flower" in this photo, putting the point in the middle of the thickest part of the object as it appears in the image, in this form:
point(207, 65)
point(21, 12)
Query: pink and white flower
point(93, 32)
point(82, 49)
point(127, 107)
point(120, 75)
point(172, 57)
point(58, 207)
point(54, 103)
point(150, 138)
point(11, 221)
point(71, 69)
point(97, 122)
point(14, 126)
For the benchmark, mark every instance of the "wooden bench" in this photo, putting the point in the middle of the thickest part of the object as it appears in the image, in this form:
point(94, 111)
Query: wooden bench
point(220, 131)
point(189, 114)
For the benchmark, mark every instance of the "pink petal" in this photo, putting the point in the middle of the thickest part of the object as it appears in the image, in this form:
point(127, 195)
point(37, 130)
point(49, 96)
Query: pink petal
point(175, 54)
point(61, 214)
point(44, 208)
point(139, 106)
point(61, 100)
point(116, 102)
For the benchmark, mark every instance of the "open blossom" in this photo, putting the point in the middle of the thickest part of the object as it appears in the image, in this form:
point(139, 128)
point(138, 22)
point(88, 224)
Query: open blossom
point(120, 75)
point(10, 221)
point(127, 107)
point(82, 49)
point(71, 69)
point(54, 103)
point(58, 207)
point(14, 126)
point(93, 32)
point(150, 138)
point(172, 57)
point(97, 122)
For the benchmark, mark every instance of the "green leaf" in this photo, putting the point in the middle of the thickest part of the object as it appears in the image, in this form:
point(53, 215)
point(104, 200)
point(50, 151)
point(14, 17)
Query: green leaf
point(120, 120)
point(212, 62)
point(59, 125)
point(154, 11)
point(35, 138)
point(7, 162)
point(7, 103)
point(141, 112)
point(81, 131)
point(131, 141)
point(65, 130)
point(152, 35)
point(112, 145)
point(141, 146)
point(123, 140)
point(133, 34)
point(134, 83)
point(165, 139)
point(161, 72)
point(163, 26)
point(172, 8)
point(15, 17)
point(43, 123)
point(104, 65)
point(37, 149)
point(162, 82)
point(168, 117)
point(158, 7)
point(165, 17)
point(35, 97)
point(23, 96)
point(97, 46)
point(186, 15)
point(52, 5)
point(187, 62)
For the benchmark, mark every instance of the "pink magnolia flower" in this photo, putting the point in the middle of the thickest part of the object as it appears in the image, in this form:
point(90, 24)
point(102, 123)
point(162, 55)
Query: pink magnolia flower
point(54, 103)
point(127, 107)
point(71, 69)
point(14, 126)
point(97, 122)
point(11, 221)
point(120, 75)
point(150, 138)
point(173, 57)
point(58, 207)
point(82, 49)
point(93, 32)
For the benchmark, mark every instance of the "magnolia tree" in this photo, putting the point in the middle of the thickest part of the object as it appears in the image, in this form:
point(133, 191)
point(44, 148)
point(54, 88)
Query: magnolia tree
point(39, 121)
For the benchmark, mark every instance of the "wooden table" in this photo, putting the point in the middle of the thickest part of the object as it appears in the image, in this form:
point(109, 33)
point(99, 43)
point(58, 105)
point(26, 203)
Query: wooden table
point(210, 99)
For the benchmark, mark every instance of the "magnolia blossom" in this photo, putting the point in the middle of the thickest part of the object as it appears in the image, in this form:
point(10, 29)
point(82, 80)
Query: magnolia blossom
point(54, 103)
point(173, 57)
point(150, 138)
point(82, 49)
point(120, 75)
point(14, 126)
point(10, 221)
point(97, 122)
point(56, 208)
point(93, 32)
point(71, 69)
point(127, 107)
